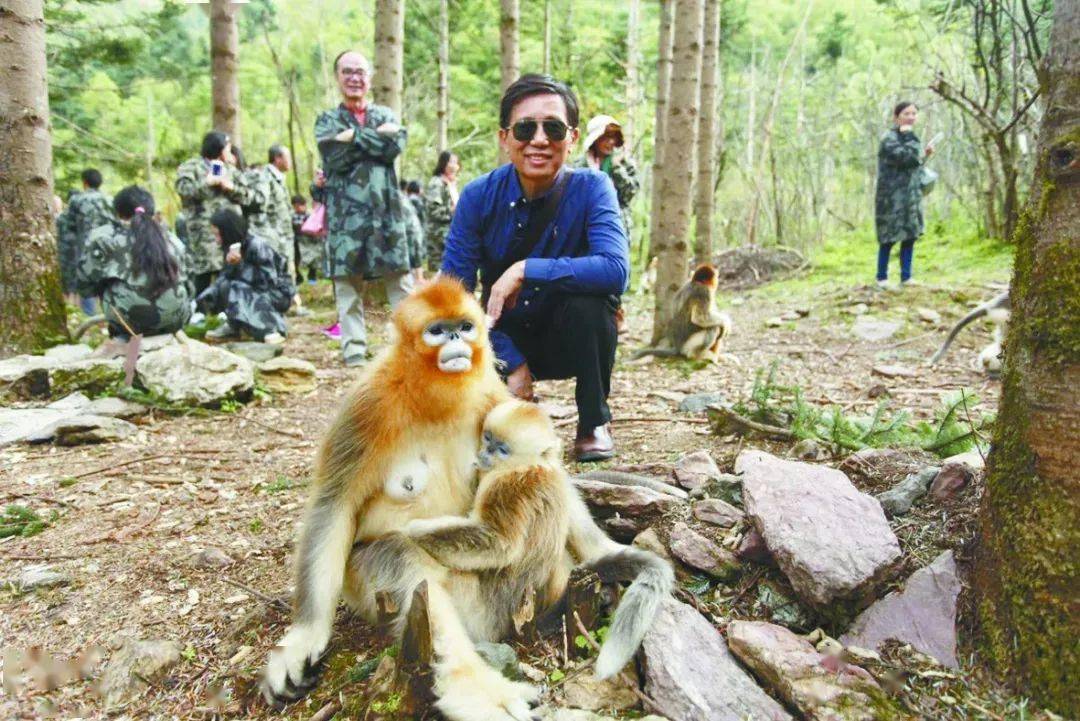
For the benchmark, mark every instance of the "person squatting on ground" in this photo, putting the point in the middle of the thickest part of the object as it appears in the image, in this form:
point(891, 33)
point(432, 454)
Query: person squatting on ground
point(86, 211)
point(207, 184)
point(898, 214)
point(553, 257)
point(254, 289)
point(137, 268)
point(440, 200)
point(366, 227)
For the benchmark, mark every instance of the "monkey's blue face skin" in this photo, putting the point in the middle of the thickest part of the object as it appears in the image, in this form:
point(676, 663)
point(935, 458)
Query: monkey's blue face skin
point(492, 450)
point(453, 339)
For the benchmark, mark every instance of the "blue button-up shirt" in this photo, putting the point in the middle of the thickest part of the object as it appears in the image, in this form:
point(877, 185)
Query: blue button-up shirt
point(585, 249)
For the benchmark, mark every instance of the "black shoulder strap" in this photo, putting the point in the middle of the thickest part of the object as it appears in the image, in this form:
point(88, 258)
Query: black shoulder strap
point(534, 231)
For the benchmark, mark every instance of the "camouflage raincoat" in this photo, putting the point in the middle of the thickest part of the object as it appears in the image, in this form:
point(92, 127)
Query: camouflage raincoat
point(439, 209)
point(107, 270)
point(200, 201)
point(623, 173)
point(366, 233)
point(85, 211)
point(254, 293)
point(414, 234)
point(269, 211)
point(898, 212)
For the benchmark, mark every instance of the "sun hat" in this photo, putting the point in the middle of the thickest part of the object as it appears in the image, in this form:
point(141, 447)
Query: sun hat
point(598, 126)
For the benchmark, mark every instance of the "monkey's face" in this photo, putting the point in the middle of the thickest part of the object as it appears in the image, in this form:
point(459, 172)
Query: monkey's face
point(492, 450)
point(519, 432)
point(454, 341)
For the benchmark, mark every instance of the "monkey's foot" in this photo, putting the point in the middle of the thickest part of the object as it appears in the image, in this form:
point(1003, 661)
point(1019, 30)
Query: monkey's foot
point(294, 666)
point(483, 694)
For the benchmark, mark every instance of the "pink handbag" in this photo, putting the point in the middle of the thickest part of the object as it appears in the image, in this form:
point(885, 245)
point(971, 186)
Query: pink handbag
point(316, 222)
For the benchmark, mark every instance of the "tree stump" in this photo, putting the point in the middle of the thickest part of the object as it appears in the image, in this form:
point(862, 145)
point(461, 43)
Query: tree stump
point(414, 679)
point(585, 597)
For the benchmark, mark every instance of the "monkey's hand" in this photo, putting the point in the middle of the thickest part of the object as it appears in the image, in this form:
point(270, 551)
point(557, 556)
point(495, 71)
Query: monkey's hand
point(418, 527)
point(294, 665)
point(462, 544)
point(707, 317)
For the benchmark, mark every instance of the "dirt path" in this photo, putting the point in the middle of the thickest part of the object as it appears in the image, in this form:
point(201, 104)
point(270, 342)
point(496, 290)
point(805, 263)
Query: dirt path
point(130, 517)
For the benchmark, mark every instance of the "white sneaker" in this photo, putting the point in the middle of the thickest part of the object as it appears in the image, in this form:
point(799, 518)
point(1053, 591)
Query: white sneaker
point(196, 318)
point(222, 331)
point(273, 339)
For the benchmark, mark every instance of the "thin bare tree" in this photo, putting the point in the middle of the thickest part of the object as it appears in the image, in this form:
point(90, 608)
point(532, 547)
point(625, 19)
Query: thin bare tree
point(705, 202)
point(1026, 572)
point(510, 52)
point(633, 80)
point(389, 53)
point(30, 291)
point(224, 63)
point(676, 179)
point(547, 37)
point(442, 112)
point(663, 90)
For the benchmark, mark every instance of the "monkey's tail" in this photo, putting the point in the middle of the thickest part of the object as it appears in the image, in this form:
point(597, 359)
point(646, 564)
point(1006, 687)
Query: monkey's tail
point(622, 478)
point(977, 313)
point(87, 325)
point(652, 580)
point(658, 352)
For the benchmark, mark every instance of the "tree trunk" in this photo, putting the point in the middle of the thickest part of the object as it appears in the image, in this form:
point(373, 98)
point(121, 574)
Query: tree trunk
point(224, 60)
point(1026, 570)
point(704, 205)
point(389, 53)
point(510, 54)
point(676, 178)
point(633, 82)
point(547, 37)
point(443, 111)
point(30, 294)
point(663, 90)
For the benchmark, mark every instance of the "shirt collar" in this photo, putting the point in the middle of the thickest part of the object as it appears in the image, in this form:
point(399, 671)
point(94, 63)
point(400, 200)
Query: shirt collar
point(519, 194)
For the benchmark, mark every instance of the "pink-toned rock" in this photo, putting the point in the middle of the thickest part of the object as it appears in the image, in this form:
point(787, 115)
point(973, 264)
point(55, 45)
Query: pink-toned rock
point(697, 551)
point(691, 674)
point(819, 687)
point(953, 478)
point(752, 548)
point(923, 614)
point(831, 541)
point(695, 469)
point(607, 499)
point(717, 512)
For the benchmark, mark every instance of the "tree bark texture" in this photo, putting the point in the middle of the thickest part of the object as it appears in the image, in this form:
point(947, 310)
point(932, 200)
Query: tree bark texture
point(510, 53)
point(676, 177)
point(633, 80)
point(224, 63)
point(705, 189)
point(442, 113)
point(1027, 565)
point(389, 53)
point(663, 90)
point(30, 294)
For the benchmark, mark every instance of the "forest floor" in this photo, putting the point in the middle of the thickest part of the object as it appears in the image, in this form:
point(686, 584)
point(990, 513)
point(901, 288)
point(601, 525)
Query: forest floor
point(126, 518)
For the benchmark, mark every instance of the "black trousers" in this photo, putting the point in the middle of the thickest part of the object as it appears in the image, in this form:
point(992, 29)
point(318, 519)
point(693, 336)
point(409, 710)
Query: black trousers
point(202, 281)
point(575, 339)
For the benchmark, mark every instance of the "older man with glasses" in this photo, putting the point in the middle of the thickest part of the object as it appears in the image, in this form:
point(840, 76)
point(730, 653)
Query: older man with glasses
point(549, 246)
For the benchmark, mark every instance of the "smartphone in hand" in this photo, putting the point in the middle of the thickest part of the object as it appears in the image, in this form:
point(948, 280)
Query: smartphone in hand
point(217, 168)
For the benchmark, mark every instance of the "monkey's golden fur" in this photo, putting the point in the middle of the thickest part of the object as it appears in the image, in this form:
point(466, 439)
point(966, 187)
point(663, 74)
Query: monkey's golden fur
point(695, 328)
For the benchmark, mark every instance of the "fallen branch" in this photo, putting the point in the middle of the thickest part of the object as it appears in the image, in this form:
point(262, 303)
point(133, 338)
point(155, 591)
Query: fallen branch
point(44, 499)
point(743, 423)
point(640, 419)
point(326, 712)
point(269, 600)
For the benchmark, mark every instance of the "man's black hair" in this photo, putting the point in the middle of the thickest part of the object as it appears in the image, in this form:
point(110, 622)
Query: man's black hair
point(534, 84)
point(442, 162)
point(413, 187)
point(92, 178)
point(902, 106)
point(275, 152)
point(213, 143)
point(232, 225)
point(297, 199)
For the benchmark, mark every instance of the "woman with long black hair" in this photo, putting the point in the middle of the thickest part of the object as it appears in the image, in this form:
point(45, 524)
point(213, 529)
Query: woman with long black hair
point(254, 289)
point(440, 200)
point(137, 268)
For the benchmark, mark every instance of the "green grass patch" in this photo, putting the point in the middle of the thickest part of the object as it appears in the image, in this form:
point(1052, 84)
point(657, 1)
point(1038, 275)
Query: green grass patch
point(23, 522)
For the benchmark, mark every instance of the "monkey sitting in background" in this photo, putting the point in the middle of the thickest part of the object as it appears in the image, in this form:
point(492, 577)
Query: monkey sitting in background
point(695, 328)
point(516, 535)
point(997, 310)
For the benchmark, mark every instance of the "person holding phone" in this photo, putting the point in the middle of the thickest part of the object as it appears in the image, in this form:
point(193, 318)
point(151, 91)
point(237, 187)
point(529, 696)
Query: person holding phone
point(206, 184)
point(366, 234)
point(898, 213)
point(254, 288)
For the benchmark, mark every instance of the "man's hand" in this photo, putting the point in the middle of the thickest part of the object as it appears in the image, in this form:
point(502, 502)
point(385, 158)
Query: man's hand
point(232, 257)
point(929, 150)
point(320, 178)
point(505, 291)
point(520, 382)
point(418, 276)
point(213, 180)
point(345, 136)
point(388, 129)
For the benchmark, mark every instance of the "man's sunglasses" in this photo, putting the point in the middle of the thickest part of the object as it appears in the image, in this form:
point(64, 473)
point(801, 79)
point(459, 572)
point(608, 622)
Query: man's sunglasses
point(525, 130)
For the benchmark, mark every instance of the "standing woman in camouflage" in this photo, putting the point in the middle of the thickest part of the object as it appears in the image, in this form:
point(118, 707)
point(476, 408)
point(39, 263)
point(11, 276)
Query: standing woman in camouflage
point(603, 151)
point(440, 200)
point(207, 184)
point(898, 214)
point(137, 269)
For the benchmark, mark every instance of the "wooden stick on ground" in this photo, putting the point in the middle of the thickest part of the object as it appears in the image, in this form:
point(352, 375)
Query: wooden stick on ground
point(277, 602)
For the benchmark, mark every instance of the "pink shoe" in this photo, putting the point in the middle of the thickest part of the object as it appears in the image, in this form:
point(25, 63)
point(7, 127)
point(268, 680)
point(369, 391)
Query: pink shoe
point(333, 331)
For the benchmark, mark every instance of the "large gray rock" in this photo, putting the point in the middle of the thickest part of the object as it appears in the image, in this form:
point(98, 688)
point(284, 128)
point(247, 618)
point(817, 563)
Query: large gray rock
point(697, 551)
point(692, 676)
point(24, 376)
point(39, 576)
point(804, 678)
point(698, 402)
point(81, 429)
point(717, 512)
point(923, 614)
point(18, 424)
point(254, 352)
point(288, 375)
point(871, 329)
point(898, 500)
point(67, 353)
point(134, 667)
point(29, 376)
point(695, 469)
point(91, 375)
point(115, 408)
point(195, 373)
point(831, 541)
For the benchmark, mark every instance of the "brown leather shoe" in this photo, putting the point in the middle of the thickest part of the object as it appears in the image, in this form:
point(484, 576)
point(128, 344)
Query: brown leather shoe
point(594, 444)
